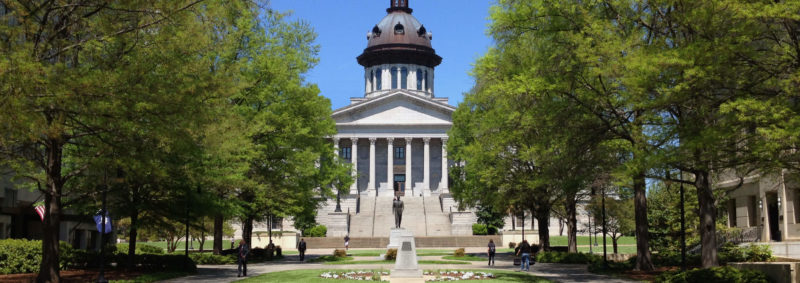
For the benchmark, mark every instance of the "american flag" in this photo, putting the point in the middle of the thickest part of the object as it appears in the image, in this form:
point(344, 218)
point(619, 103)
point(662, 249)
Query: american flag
point(39, 207)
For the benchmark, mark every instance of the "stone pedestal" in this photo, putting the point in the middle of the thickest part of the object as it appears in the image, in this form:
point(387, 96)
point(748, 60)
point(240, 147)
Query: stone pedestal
point(406, 268)
point(337, 225)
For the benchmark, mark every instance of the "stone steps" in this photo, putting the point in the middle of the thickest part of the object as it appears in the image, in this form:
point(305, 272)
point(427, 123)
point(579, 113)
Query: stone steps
point(361, 223)
point(438, 222)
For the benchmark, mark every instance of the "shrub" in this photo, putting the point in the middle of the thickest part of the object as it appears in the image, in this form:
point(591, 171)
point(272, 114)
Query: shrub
point(750, 253)
point(479, 229)
point(714, 275)
point(459, 252)
point(210, 258)
point(20, 256)
point(148, 249)
point(339, 253)
point(511, 245)
point(316, 231)
point(562, 257)
point(140, 249)
point(278, 251)
point(391, 254)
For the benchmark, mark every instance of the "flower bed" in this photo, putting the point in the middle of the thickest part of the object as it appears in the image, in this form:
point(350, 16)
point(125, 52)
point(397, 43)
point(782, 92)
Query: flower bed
point(455, 275)
point(355, 275)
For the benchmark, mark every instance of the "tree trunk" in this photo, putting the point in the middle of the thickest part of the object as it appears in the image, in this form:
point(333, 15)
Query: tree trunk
point(247, 230)
point(708, 217)
point(561, 227)
point(218, 222)
point(202, 239)
point(614, 243)
point(49, 267)
point(544, 228)
point(572, 223)
point(643, 260)
point(132, 243)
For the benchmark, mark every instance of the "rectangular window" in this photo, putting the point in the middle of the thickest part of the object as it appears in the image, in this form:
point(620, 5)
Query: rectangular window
point(399, 153)
point(344, 152)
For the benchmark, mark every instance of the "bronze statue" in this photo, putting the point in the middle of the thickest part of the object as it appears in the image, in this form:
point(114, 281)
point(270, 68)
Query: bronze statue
point(397, 208)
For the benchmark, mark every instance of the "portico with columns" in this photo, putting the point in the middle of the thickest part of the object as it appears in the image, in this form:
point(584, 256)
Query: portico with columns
point(397, 144)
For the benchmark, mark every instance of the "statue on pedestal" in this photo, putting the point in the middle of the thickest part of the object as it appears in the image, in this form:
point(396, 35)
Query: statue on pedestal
point(397, 209)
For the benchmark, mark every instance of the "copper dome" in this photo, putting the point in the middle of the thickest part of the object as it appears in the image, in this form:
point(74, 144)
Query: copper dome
point(399, 38)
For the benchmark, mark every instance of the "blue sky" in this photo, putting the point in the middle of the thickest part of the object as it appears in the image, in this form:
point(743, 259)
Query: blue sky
point(459, 36)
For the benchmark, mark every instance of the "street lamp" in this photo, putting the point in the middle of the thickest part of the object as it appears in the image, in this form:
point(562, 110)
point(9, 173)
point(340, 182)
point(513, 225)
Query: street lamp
point(589, 215)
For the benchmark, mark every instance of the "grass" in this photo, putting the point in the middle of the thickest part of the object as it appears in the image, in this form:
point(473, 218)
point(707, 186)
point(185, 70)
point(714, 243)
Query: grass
point(153, 277)
point(330, 258)
point(312, 276)
point(466, 257)
point(609, 249)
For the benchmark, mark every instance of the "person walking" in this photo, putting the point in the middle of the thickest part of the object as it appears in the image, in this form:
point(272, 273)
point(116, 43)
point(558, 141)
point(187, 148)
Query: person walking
point(243, 251)
point(301, 248)
point(346, 242)
point(525, 253)
point(491, 252)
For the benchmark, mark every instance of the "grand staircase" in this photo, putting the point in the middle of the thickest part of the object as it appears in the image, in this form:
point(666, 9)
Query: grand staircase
point(423, 216)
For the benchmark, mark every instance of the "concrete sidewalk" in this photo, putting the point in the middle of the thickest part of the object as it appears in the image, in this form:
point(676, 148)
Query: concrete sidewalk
point(567, 273)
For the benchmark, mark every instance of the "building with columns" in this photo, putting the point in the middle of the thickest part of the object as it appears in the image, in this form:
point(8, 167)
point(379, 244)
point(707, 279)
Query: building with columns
point(395, 135)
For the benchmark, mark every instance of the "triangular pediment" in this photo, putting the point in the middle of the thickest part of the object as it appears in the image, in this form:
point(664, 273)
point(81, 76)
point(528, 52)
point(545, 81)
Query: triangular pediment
point(398, 108)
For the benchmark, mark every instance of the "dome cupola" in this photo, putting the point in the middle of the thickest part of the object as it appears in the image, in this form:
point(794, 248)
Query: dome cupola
point(399, 54)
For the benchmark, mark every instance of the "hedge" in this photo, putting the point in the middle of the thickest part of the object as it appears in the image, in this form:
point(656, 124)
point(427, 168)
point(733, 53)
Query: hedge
point(562, 257)
point(24, 256)
point(721, 274)
point(316, 231)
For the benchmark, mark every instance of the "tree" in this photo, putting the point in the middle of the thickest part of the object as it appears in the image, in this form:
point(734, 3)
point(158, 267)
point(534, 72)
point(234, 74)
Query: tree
point(79, 77)
point(618, 214)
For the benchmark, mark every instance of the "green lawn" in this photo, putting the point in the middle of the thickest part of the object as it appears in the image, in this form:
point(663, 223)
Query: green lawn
point(343, 262)
point(195, 245)
point(609, 249)
point(312, 276)
point(466, 257)
point(153, 277)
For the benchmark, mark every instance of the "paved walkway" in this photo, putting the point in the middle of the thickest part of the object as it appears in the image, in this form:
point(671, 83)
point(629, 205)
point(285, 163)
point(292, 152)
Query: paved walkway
point(557, 272)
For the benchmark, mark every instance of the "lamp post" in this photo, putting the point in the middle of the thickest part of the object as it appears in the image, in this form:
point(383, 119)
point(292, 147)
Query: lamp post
point(683, 226)
point(603, 200)
point(589, 214)
point(101, 277)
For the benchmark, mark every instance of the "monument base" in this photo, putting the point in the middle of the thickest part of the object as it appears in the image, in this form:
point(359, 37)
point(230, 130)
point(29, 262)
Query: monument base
point(406, 268)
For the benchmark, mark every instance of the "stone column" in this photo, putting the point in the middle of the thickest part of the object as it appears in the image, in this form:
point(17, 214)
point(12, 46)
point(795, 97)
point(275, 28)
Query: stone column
point(371, 184)
point(426, 179)
point(336, 146)
point(354, 161)
point(783, 208)
point(408, 167)
point(443, 186)
point(390, 164)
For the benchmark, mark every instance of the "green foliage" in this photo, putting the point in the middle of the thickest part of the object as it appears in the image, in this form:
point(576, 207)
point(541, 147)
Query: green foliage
point(664, 218)
point(563, 257)
point(391, 254)
point(750, 253)
point(491, 217)
point(316, 231)
point(459, 252)
point(209, 258)
point(479, 229)
point(721, 274)
point(339, 253)
point(140, 249)
point(19, 256)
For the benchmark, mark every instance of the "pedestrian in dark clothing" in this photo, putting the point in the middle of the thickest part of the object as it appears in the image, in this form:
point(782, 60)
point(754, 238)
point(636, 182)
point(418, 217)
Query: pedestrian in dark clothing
point(491, 251)
point(525, 253)
point(243, 251)
point(301, 247)
point(346, 242)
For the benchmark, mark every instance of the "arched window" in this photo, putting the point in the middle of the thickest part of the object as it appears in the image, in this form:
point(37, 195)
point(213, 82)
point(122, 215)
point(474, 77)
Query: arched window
point(372, 80)
point(394, 77)
point(425, 82)
point(404, 78)
point(378, 85)
point(419, 79)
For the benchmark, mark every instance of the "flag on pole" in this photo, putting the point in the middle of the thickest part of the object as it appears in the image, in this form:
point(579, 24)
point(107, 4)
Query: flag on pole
point(39, 207)
point(99, 220)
